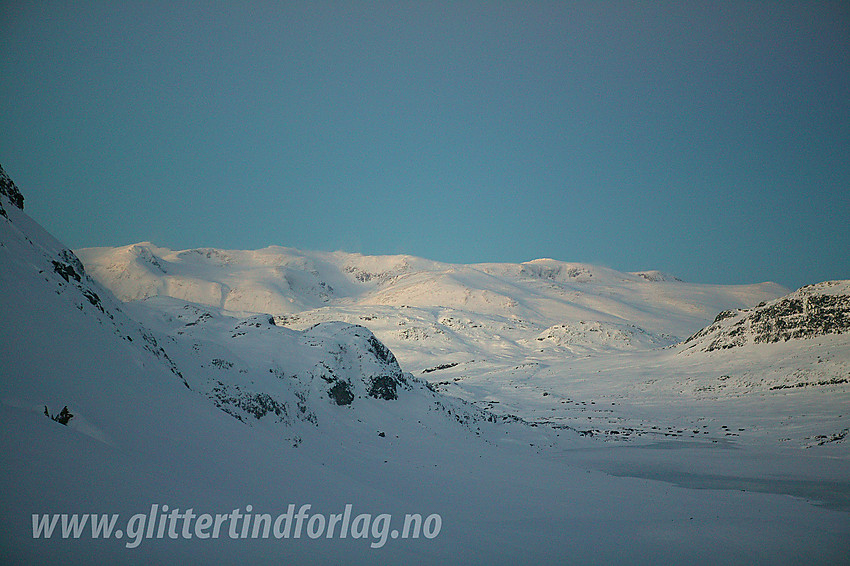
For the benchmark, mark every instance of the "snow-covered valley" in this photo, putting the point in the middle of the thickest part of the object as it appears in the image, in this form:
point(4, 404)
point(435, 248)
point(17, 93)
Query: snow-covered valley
point(607, 353)
point(548, 412)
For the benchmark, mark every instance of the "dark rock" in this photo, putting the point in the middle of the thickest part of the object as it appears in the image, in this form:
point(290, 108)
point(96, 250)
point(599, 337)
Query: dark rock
point(381, 352)
point(62, 418)
point(66, 271)
point(10, 190)
point(341, 393)
point(233, 401)
point(383, 387)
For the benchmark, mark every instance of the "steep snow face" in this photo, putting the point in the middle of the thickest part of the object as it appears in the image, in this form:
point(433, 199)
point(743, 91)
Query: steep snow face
point(813, 310)
point(66, 341)
point(42, 276)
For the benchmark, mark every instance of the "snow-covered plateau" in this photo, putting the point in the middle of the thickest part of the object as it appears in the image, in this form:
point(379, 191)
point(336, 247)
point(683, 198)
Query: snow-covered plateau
point(535, 413)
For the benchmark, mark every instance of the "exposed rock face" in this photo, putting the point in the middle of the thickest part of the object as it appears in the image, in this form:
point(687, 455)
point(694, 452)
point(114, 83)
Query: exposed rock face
point(655, 276)
point(551, 269)
point(10, 190)
point(236, 402)
point(341, 393)
point(813, 310)
point(359, 364)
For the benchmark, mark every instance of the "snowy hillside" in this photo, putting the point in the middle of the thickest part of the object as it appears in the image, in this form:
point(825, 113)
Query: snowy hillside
point(776, 373)
point(254, 370)
point(218, 395)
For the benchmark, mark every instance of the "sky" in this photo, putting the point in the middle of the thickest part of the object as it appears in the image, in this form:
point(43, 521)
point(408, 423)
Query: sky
point(710, 140)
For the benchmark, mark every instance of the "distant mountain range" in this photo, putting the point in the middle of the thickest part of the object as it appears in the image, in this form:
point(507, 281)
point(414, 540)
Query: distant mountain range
point(428, 311)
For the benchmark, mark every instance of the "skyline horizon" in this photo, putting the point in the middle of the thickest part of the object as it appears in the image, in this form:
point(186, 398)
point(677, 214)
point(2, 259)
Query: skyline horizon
point(402, 253)
point(429, 259)
point(708, 142)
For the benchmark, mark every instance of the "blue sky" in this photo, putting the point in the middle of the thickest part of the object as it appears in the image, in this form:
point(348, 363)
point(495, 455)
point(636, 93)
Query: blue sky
point(709, 139)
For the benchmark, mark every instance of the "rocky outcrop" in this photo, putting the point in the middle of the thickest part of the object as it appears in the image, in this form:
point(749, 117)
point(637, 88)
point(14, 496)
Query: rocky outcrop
point(359, 364)
point(10, 191)
point(813, 310)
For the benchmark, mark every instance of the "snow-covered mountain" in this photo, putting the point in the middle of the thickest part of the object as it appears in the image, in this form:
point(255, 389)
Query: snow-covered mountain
point(497, 413)
point(219, 356)
point(281, 281)
point(428, 312)
point(778, 372)
point(254, 370)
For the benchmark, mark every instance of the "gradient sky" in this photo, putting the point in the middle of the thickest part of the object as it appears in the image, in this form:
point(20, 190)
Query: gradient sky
point(707, 139)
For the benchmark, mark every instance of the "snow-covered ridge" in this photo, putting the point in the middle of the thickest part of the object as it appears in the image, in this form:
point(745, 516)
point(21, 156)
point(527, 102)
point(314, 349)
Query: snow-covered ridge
point(143, 270)
point(254, 370)
point(596, 334)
